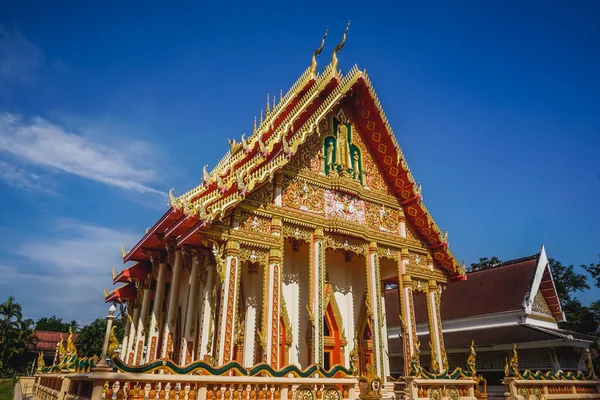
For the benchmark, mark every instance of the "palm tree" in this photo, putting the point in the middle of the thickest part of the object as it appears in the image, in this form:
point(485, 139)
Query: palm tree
point(10, 311)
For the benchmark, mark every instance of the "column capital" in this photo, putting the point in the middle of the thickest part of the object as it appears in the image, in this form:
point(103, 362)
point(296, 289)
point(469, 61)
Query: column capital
point(407, 280)
point(373, 246)
point(232, 247)
point(276, 226)
point(278, 181)
point(432, 284)
point(404, 251)
point(274, 255)
point(318, 234)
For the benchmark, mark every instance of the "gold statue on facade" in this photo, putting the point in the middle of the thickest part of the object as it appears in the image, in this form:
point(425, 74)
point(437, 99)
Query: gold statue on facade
point(343, 142)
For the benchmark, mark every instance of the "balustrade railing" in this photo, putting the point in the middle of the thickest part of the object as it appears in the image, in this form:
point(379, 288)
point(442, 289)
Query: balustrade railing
point(525, 389)
point(124, 386)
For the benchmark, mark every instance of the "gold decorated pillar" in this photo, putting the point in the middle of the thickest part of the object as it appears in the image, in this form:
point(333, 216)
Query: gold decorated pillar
point(173, 306)
point(374, 287)
point(317, 283)
point(273, 293)
point(189, 330)
point(439, 361)
point(407, 314)
point(140, 333)
point(155, 316)
point(229, 294)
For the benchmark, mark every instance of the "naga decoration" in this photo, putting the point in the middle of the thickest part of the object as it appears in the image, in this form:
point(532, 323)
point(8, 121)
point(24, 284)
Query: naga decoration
point(338, 48)
point(313, 65)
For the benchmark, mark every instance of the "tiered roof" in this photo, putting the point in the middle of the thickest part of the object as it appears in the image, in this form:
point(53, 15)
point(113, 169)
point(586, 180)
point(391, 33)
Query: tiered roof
point(285, 128)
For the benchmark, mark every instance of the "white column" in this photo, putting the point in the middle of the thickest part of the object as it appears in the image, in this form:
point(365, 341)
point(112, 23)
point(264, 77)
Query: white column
point(123, 354)
point(317, 276)
point(278, 189)
point(409, 330)
point(187, 344)
point(155, 317)
point(138, 346)
point(434, 328)
point(376, 308)
point(252, 289)
point(171, 320)
point(132, 332)
point(227, 316)
point(206, 315)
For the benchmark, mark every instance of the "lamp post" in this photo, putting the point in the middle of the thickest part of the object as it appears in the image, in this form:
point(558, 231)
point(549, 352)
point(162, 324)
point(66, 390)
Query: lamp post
point(103, 365)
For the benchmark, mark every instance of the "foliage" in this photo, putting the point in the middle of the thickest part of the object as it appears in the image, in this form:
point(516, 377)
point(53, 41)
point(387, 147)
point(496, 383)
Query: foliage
point(15, 335)
point(54, 324)
point(485, 263)
point(6, 389)
point(594, 271)
point(91, 337)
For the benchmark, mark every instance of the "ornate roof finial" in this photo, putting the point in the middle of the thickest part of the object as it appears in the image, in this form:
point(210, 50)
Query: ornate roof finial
point(254, 130)
point(261, 117)
point(280, 95)
point(338, 48)
point(268, 110)
point(313, 65)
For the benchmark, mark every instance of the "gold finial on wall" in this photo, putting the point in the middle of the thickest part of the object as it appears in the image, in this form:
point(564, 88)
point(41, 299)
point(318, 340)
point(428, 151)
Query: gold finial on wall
point(338, 48)
point(313, 65)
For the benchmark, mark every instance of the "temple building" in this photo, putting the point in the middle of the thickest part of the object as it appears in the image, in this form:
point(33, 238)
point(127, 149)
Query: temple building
point(281, 254)
point(513, 302)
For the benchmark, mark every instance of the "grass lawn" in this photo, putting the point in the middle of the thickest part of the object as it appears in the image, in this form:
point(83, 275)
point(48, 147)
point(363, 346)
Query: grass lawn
point(6, 389)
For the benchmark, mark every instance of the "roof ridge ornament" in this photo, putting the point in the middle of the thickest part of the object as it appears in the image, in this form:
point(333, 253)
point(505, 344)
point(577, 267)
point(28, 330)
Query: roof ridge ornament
point(338, 48)
point(313, 65)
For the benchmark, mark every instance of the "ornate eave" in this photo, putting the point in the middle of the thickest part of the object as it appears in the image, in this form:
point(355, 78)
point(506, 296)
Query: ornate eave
point(275, 142)
point(136, 272)
point(124, 292)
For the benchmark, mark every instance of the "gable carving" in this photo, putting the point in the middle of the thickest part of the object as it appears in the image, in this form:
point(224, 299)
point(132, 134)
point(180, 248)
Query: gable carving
point(303, 195)
point(540, 305)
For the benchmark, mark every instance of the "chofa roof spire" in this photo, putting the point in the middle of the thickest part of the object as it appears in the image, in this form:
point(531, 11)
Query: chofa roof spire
point(313, 65)
point(338, 48)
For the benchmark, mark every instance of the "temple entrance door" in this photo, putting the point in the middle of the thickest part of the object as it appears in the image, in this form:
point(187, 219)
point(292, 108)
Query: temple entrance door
point(331, 335)
point(365, 346)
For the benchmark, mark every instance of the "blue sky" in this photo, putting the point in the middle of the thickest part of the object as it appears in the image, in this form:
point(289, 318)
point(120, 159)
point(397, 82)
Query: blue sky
point(106, 106)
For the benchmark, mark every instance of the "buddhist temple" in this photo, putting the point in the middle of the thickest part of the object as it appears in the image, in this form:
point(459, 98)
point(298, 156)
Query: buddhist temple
point(268, 279)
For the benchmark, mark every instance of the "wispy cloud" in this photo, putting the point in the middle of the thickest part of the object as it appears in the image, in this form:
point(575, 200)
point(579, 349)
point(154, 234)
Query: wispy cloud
point(42, 143)
point(64, 273)
point(20, 60)
point(21, 178)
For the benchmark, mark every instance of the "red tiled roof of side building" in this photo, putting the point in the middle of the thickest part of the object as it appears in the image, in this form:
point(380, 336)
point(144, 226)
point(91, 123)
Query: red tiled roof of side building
point(47, 340)
point(499, 289)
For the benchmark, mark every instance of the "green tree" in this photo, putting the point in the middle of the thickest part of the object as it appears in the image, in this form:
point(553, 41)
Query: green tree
point(15, 337)
point(53, 324)
point(485, 263)
point(594, 271)
point(91, 337)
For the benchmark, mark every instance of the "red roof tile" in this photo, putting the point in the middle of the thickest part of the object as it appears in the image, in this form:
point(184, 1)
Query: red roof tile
point(46, 340)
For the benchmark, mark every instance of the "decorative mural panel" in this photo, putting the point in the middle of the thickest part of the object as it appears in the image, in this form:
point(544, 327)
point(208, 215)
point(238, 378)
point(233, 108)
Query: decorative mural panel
point(303, 195)
point(344, 207)
point(381, 218)
point(253, 222)
point(417, 260)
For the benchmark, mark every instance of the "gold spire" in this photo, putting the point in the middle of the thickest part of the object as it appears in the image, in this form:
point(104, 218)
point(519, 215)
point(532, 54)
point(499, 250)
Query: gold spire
point(313, 65)
point(280, 95)
point(268, 109)
point(261, 116)
point(254, 130)
point(338, 48)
